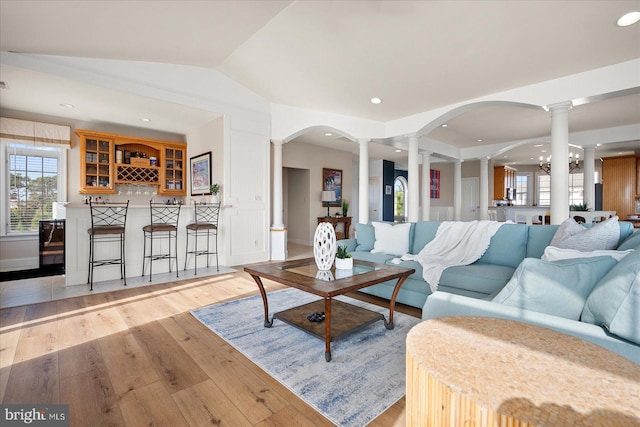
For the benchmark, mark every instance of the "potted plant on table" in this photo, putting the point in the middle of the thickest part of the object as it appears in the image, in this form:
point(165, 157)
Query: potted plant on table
point(345, 207)
point(344, 261)
point(215, 189)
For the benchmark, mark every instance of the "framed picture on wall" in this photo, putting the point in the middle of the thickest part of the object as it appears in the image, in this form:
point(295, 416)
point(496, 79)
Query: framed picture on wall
point(435, 184)
point(332, 181)
point(200, 168)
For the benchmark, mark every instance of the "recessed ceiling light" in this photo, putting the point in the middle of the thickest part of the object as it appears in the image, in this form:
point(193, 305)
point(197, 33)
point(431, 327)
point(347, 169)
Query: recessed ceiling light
point(538, 145)
point(146, 120)
point(543, 151)
point(398, 151)
point(68, 105)
point(506, 157)
point(479, 140)
point(445, 125)
point(376, 100)
point(629, 19)
point(328, 134)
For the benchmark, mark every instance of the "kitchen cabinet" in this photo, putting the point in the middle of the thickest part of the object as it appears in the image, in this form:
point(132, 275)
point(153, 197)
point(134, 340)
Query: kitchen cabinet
point(504, 177)
point(110, 159)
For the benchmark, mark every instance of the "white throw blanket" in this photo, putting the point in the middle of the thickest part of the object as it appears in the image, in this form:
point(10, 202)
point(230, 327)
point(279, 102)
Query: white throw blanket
point(456, 243)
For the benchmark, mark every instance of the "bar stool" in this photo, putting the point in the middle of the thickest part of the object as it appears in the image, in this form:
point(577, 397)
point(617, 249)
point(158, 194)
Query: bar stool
point(205, 224)
point(164, 226)
point(108, 223)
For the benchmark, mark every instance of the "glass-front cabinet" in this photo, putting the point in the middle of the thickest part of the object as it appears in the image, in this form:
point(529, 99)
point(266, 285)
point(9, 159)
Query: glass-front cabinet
point(173, 182)
point(96, 165)
point(110, 159)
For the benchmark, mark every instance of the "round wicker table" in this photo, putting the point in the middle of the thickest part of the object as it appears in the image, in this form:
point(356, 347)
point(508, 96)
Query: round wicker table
point(476, 371)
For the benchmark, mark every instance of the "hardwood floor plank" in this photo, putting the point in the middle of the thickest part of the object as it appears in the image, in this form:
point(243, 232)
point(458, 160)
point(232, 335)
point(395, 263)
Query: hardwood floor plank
point(249, 393)
point(205, 404)
point(129, 368)
point(10, 329)
point(34, 380)
point(80, 359)
point(288, 416)
point(91, 399)
point(174, 366)
point(73, 323)
point(151, 405)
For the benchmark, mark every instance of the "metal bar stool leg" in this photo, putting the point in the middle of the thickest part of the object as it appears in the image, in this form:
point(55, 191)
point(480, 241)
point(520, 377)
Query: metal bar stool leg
point(175, 239)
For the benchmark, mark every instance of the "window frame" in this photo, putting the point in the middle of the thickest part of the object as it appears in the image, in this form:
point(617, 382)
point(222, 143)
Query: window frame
point(5, 213)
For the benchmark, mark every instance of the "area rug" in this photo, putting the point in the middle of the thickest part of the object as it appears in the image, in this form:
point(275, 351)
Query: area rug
point(366, 374)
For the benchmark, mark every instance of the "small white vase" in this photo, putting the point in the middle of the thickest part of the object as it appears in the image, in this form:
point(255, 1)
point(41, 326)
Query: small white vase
point(344, 263)
point(324, 245)
point(215, 198)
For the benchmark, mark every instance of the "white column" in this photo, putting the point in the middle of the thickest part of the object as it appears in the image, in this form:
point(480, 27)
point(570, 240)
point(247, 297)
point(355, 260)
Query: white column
point(484, 188)
point(413, 199)
point(559, 162)
point(278, 231)
point(457, 189)
point(426, 186)
point(363, 183)
point(589, 178)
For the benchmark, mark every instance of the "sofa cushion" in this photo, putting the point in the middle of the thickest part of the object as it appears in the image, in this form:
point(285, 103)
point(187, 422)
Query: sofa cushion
point(631, 242)
point(614, 301)
point(508, 247)
point(365, 237)
point(425, 231)
point(480, 278)
point(551, 253)
point(371, 257)
point(391, 239)
point(571, 235)
point(538, 239)
point(558, 288)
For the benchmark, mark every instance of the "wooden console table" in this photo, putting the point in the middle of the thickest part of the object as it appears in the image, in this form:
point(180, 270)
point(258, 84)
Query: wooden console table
point(480, 371)
point(346, 220)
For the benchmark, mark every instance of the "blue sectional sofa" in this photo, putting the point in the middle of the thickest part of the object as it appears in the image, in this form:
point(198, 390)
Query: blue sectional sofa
point(469, 290)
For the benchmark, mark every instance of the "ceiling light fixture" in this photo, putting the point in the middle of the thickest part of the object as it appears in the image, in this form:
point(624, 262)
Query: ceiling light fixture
point(538, 145)
point(479, 140)
point(146, 120)
point(398, 151)
point(445, 125)
point(629, 19)
point(328, 134)
point(376, 100)
point(68, 105)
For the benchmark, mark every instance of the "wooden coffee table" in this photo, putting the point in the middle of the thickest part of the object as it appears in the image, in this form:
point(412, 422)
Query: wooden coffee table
point(341, 318)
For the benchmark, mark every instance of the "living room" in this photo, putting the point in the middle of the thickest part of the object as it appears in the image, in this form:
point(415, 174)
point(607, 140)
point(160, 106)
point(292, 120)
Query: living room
point(209, 102)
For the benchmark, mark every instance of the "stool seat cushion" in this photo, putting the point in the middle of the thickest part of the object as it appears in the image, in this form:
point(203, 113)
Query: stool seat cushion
point(152, 228)
point(106, 229)
point(202, 226)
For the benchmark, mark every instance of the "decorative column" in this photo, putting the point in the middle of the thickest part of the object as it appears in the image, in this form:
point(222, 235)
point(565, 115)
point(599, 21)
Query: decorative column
point(363, 181)
point(278, 231)
point(457, 189)
point(484, 188)
point(426, 185)
point(559, 162)
point(413, 199)
point(589, 178)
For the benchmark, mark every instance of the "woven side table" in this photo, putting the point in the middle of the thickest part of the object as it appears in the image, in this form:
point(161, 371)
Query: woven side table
point(477, 371)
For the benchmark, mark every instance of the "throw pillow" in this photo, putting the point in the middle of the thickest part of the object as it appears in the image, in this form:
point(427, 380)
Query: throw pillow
point(558, 288)
point(365, 237)
point(613, 303)
point(631, 242)
point(571, 235)
point(391, 239)
point(551, 253)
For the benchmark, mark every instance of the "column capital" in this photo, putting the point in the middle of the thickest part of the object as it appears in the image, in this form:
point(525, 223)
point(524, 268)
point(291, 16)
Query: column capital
point(591, 148)
point(278, 141)
point(364, 141)
point(566, 105)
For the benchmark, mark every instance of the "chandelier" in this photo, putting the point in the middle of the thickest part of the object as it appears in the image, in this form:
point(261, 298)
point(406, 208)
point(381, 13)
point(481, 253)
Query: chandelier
point(573, 164)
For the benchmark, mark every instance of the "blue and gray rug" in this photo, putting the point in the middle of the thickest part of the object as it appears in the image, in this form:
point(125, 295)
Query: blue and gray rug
point(364, 378)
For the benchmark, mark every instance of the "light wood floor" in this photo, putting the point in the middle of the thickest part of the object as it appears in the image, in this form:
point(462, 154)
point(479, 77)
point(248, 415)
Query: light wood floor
point(137, 357)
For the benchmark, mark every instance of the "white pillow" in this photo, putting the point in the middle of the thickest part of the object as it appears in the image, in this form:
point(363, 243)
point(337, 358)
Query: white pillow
point(391, 239)
point(552, 253)
point(571, 235)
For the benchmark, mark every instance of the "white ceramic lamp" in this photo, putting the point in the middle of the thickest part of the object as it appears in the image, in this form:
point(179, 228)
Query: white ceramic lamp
point(328, 197)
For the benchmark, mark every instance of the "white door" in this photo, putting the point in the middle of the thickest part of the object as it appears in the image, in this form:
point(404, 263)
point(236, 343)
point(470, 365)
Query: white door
point(375, 205)
point(470, 207)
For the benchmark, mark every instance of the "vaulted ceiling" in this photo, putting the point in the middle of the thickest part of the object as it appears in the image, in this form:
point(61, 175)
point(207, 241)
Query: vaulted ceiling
point(335, 56)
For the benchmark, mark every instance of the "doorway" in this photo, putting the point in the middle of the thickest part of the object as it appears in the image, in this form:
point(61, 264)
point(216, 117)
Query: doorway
point(375, 204)
point(469, 209)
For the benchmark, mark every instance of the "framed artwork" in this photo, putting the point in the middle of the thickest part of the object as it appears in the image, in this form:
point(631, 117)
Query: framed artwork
point(332, 181)
point(435, 184)
point(200, 168)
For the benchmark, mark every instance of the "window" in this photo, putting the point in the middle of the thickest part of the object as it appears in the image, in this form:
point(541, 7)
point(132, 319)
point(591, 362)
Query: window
point(576, 188)
point(400, 199)
point(32, 182)
point(544, 190)
point(522, 190)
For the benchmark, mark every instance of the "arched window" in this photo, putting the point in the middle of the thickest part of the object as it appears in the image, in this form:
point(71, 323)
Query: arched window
point(400, 199)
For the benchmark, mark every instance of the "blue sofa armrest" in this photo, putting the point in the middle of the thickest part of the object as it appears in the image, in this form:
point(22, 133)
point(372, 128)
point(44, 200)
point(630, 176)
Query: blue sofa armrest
point(349, 243)
point(443, 304)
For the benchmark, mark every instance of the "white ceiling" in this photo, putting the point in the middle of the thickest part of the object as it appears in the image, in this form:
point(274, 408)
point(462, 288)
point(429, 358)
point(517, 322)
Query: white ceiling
point(334, 56)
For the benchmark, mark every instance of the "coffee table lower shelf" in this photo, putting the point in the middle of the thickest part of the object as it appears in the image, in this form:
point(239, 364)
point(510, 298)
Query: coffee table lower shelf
point(345, 318)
